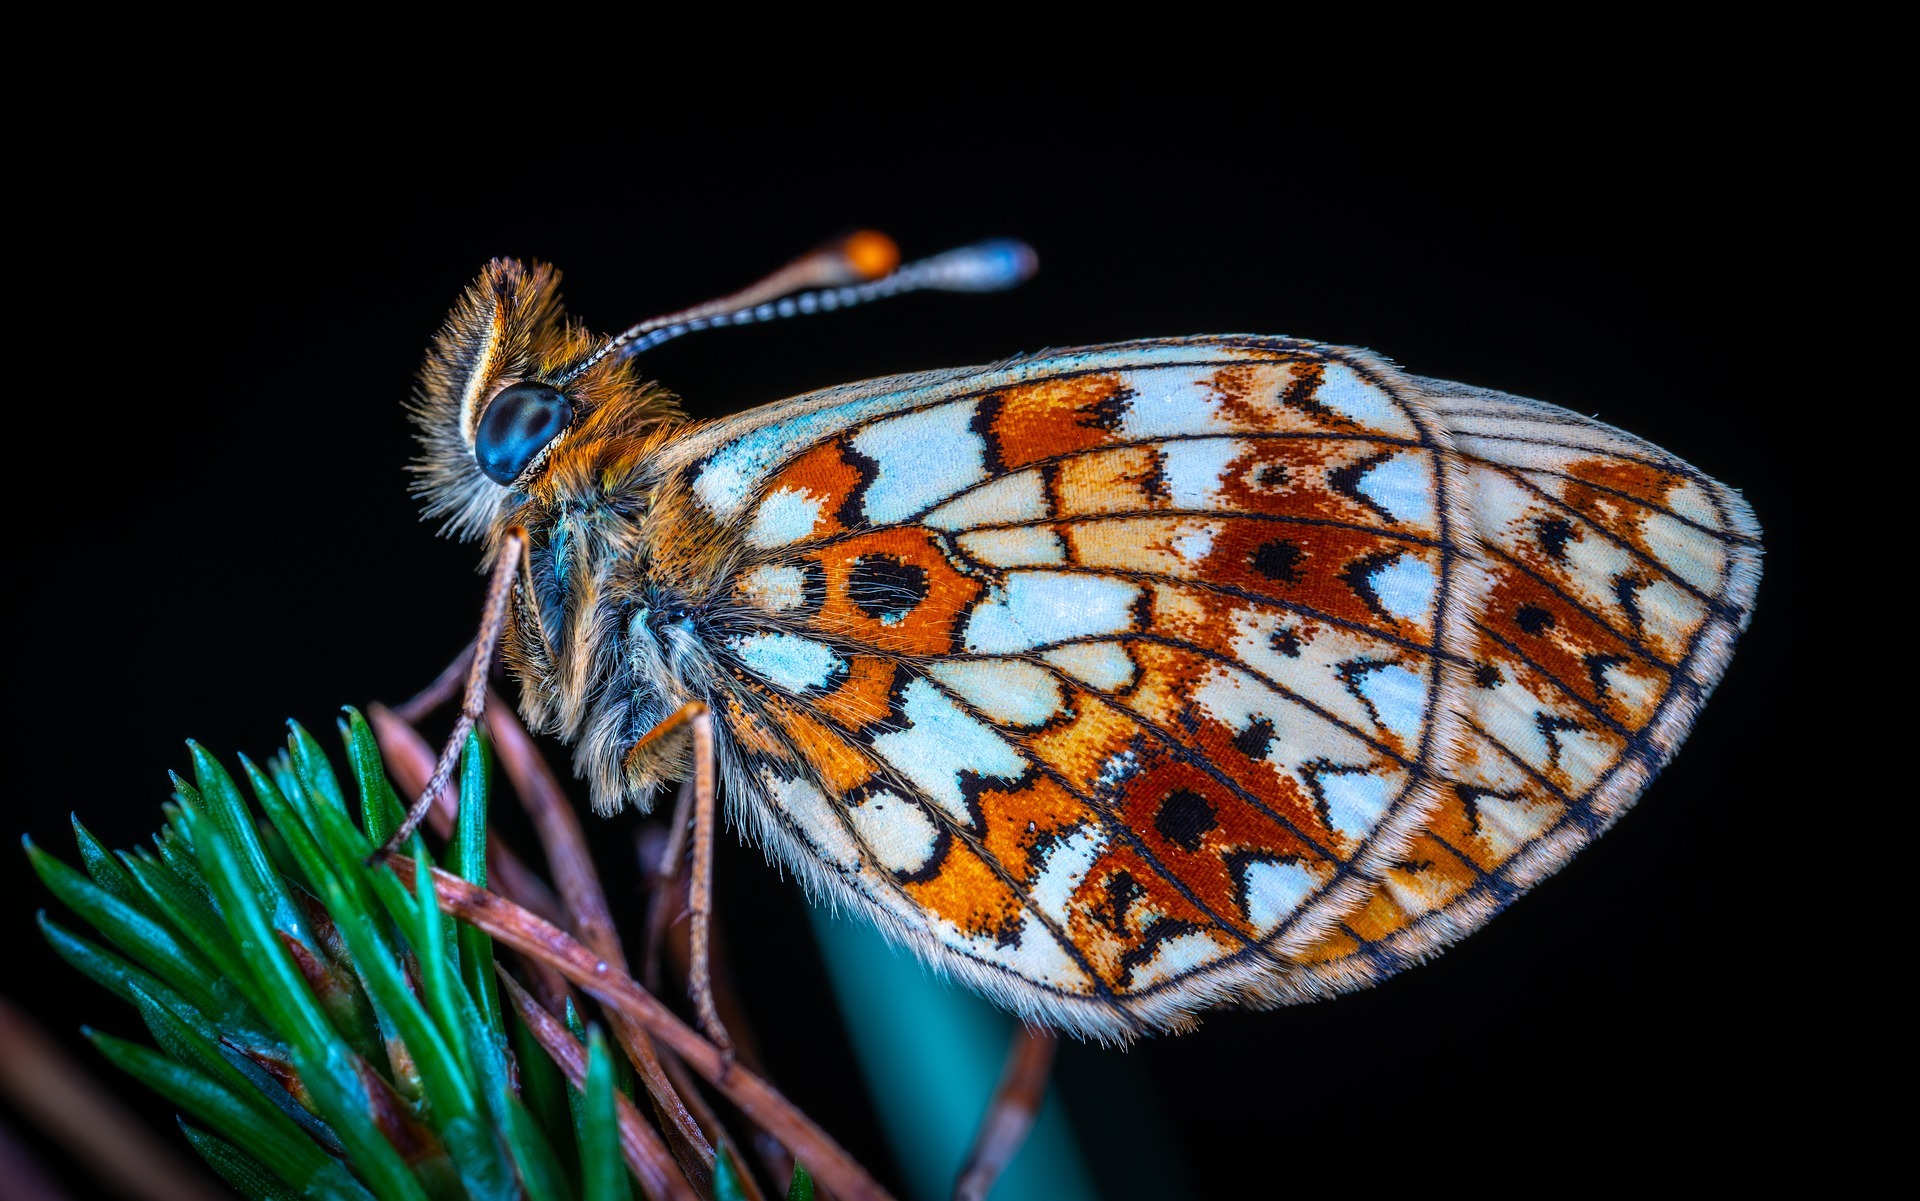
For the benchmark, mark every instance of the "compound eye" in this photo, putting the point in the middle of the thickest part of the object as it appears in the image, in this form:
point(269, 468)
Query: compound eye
point(516, 427)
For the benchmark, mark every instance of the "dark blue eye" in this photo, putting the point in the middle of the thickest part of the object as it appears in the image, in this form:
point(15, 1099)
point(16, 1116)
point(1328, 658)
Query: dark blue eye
point(517, 427)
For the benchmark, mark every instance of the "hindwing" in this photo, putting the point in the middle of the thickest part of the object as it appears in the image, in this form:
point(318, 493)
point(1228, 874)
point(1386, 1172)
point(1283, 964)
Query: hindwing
point(1619, 578)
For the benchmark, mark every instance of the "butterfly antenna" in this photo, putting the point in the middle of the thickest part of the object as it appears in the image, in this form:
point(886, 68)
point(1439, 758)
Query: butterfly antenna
point(854, 270)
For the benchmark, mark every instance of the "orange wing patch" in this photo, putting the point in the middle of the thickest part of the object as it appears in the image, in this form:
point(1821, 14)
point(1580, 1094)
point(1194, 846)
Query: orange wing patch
point(893, 590)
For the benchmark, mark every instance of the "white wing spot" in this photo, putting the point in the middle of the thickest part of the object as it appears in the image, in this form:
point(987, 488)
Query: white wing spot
point(1011, 498)
point(793, 663)
point(1023, 546)
point(922, 458)
point(786, 516)
point(1068, 861)
point(1342, 390)
point(1273, 891)
point(1102, 665)
point(1192, 469)
point(1010, 692)
point(1039, 608)
point(808, 808)
point(774, 587)
point(939, 742)
point(899, 832)
point(1406, 587)
point(1402, 486)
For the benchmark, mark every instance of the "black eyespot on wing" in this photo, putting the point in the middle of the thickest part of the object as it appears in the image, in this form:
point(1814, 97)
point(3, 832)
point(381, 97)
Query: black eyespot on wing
point(1533, 619)
point(1184, 819)
point(884, 588)
point(516, 427)
point(1279, 561)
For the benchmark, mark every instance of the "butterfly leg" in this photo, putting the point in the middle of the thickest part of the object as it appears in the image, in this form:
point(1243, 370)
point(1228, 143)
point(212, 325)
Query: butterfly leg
point(473, 702)
point(697, 720)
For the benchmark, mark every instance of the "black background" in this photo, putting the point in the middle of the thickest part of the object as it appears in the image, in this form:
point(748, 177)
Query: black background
point(231, 295)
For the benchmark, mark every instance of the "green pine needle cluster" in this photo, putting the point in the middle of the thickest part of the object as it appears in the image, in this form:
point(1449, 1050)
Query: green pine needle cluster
point(325, 1031)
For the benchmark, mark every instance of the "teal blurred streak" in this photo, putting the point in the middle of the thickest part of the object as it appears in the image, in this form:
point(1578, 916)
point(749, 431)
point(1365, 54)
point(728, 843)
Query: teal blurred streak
point(931, 1054)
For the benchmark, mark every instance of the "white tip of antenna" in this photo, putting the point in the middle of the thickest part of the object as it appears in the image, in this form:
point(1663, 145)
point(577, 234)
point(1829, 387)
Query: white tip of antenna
point(983, 267)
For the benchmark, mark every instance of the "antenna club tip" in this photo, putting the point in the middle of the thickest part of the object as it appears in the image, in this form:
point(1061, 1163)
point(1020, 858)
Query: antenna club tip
point(870, 253)
point(1015, 260)
point(989, 266)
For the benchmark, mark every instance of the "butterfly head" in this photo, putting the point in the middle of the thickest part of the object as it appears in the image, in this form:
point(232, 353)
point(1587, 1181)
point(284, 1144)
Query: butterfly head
point(514, 408)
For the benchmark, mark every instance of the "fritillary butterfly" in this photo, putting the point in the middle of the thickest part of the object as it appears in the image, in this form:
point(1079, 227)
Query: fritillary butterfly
point(1120, 682)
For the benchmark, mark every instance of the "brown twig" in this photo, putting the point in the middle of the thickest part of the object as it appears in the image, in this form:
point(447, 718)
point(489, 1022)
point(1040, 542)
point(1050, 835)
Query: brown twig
point(753, 1096)
point(85, 1118)
point(667, 896)
point(703, 1113)
point(647, 1157)
point(579, 884)
point(410, 758)
point(1010, 1115)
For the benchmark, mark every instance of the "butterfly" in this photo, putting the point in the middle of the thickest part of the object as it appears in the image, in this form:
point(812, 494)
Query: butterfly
point(1119, 682)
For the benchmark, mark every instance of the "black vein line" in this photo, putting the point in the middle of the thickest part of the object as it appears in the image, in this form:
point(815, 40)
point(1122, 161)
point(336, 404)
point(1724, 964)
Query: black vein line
point(1719, 535)
point(1481, 875)
point(1228, 590)
point(1417, 770)
point(1087, 452)
point(1571, 418)
point(858, 886)
point(1443, 595)
point(803, 767)
point(1263, 945)
point(1676, 467)
point(1482, 880)
point(1667, 465)
point(1627, 640)
point(1713, 603)
point(1442, 613)
point(876, 759)
point(1592, 709)
point(1242, 666)
point(1245, 595)
point(1560, 794)
point(1576, 811)
point(1187, 514)
point(1138, 577)
point(1067, 523)
point(1127, 834)
point(1192, 758)
point(1107, 818)
point(1312, 351)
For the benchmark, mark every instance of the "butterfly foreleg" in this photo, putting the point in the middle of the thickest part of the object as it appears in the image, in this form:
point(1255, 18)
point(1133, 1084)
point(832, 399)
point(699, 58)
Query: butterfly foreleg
point(473, 700)
point(697, 720)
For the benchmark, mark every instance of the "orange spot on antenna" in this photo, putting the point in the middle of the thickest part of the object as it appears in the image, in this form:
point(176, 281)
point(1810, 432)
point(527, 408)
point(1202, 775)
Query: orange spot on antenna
point(871, 254)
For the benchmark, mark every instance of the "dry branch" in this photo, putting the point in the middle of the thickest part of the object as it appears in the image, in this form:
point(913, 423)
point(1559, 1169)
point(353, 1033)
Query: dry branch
point(646, 1155)
point(759, 1101)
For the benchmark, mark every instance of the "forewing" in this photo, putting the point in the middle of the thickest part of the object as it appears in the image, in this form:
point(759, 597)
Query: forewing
point(1113, 679)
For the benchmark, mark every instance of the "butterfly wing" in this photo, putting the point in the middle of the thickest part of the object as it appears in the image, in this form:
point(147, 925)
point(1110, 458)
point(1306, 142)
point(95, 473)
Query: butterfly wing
point(1123, 682)
point(1618, 579)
